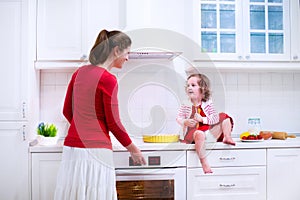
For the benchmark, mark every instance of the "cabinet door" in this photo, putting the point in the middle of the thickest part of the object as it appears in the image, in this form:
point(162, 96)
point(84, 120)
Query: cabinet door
point(44, 172)
point(283, 174)
point(295, 29)
point(156, 14)
point(14, 161)
point(103, 14)
point(228, 183)
point(244, 30)
point(60, 29)
point(12, 67)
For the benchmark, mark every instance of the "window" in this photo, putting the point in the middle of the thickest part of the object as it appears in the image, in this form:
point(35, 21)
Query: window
point(218, 29)
point(241, 28)
point(266, 26)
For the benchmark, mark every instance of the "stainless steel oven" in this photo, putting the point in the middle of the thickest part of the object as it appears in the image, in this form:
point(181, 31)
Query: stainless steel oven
point(164, 176)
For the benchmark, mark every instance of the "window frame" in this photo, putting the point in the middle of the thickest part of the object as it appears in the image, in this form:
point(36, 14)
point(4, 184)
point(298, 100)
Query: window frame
point(243, 34)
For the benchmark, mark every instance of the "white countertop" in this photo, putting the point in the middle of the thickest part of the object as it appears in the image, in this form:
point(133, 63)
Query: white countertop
point(288, 143)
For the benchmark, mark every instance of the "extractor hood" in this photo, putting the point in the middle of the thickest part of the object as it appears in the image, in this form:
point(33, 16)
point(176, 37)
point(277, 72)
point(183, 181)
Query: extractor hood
point(134, 55)
point(153, 55)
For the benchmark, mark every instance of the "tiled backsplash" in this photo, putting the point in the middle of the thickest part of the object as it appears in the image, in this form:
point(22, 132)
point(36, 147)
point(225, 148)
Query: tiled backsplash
point(272, 96)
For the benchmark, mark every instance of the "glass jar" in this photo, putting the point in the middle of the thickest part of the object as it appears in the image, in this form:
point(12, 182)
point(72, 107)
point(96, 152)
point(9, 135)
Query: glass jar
point(254, 126)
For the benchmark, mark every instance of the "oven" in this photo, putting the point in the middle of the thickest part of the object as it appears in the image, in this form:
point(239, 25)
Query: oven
point(163, 177)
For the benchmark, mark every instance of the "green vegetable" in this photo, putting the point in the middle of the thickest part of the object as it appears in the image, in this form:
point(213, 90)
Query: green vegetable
point(47, 130)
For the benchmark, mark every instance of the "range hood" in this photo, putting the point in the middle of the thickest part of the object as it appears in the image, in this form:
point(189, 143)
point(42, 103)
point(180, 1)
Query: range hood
point(134, 55)
point(153, 55)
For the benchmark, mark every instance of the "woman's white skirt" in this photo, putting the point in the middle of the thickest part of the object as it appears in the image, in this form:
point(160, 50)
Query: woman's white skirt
point(86, 174)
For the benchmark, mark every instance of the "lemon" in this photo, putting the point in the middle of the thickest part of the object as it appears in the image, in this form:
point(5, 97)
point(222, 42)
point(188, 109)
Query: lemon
point(244, 134)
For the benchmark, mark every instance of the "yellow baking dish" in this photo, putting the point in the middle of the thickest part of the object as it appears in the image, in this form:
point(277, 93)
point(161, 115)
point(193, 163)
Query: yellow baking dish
point(161, 138)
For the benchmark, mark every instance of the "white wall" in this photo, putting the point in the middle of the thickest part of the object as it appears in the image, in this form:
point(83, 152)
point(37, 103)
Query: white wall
point(273, 96)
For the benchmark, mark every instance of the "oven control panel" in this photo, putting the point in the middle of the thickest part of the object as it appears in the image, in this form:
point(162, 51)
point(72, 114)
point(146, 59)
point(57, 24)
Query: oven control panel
point(153, 159)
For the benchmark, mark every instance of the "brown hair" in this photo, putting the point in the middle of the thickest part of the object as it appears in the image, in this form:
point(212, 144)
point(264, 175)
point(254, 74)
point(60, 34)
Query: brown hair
point(204, 84)
point(104, 44)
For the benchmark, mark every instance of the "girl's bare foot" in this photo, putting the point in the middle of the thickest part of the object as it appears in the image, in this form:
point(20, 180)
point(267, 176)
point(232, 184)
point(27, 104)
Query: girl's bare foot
point(228, 141)
point(205, 166)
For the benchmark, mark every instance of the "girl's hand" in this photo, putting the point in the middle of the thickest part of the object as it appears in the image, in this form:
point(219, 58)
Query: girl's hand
point(198, 117)
point(190, 122)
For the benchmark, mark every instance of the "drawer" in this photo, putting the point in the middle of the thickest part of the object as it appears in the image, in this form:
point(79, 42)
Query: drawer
point(228, 183)
point(229, 158)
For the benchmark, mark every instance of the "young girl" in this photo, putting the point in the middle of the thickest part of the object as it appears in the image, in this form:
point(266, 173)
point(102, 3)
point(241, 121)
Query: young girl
point(201, 122)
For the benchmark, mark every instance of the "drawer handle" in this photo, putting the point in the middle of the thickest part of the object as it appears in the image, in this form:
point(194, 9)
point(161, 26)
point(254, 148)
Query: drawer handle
point(287, 155)
point(227, 185)
point(227, 158)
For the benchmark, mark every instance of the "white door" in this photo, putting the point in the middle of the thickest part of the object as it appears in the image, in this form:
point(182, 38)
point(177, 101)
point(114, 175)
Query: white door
point(44, 172)
point(12, 67)
point(60, 32)
point(283, 174)
point(14, 161)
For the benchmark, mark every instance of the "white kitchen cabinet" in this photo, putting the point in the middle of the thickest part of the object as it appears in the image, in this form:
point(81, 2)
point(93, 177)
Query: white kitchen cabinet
point(60, 29)
point(157, 14)
point(227, 183)
point(44, 169)
point(237, 174)
point(295, 21)
point(13, 101)
point(13, 68)
point(244, 30)
point(14, 161)
point(103, 14)
point(67, 29)
point(283, 174)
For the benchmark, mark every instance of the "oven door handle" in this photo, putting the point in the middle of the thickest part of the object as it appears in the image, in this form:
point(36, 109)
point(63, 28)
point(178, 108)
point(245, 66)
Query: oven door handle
point(144, 174)
point(148, 171)
point(124, 173)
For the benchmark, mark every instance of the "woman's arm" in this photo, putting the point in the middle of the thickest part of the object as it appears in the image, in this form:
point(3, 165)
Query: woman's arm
point(111, 109)
point(68, 103)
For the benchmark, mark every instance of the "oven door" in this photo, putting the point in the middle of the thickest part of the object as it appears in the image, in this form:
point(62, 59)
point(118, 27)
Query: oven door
point(159, 183)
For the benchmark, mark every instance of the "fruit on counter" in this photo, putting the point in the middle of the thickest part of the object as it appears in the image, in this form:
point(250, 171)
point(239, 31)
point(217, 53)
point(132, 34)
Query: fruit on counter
point(267, 135)
point(252, 137)
point(248, 136)
point(244, 134)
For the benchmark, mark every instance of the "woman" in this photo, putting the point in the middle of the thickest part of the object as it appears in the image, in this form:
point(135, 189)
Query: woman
point(91, 108)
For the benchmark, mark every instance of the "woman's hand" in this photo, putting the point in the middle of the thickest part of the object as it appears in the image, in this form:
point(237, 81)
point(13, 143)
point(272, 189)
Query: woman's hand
point(138, 158)
point(190, 122)
point(136, 154)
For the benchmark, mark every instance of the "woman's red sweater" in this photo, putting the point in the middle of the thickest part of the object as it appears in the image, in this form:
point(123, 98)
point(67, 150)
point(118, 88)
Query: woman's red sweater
point(91, 107)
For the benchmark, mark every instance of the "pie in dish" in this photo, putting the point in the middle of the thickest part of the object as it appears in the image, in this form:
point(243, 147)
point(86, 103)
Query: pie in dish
point(161, 138)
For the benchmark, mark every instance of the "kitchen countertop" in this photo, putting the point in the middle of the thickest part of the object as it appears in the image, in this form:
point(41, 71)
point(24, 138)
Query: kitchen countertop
point(288, 143)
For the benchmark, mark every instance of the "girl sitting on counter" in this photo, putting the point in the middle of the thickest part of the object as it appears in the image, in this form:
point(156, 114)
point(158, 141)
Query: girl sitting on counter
point(201, 122)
